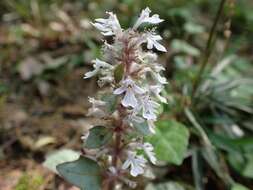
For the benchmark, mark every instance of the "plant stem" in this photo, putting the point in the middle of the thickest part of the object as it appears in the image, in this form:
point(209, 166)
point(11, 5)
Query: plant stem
point(116, 152)
point(208, 49)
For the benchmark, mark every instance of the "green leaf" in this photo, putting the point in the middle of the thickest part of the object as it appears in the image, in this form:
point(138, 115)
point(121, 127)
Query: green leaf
point(248, 170)
point(83, 173)
point(98, 136)
point(59, 157)
point(170, 141)
point(231, 145)
point(238, 186)
point(182, 46)
point(119, 72)
point(242, 163)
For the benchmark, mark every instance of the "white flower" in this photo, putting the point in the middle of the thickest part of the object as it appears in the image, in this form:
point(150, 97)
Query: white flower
point(130, 89)
point(95, 109)
point(108, 27)
point(155, 69)
point(98, 66)
point(135, 162)
point(149, 108)
point(152, 41)
point(156, 90)
point(148, 149)
point(145, 18)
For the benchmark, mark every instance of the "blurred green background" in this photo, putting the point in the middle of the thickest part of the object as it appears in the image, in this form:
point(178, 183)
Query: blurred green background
point(47, 45)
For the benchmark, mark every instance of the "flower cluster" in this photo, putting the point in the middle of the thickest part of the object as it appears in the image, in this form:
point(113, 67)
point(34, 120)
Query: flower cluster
point(132, 78)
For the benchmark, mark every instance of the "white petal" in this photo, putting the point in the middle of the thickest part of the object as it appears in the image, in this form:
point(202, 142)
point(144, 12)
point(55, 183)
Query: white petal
point(159, 78)
point(149, 115)
point(145, 18)
point(136, 170)
point(90, 74)
point(152, 41)
point(109, 26)
point(126, 164)
point(129, 99)
point(101, 64)
point(151, 126)
point(160, 47)
point(119, 90)
point(138, 90)
point(148, 149)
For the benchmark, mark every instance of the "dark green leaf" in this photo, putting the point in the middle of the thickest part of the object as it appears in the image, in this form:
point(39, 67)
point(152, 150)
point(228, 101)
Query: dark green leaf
point(119, 72)
point(231, 145)
point(98, 136)
point(242, 163)
point(83, 173)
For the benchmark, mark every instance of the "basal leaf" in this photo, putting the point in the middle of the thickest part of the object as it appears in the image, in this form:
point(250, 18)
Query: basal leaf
point(170, 141)
point(83, 173)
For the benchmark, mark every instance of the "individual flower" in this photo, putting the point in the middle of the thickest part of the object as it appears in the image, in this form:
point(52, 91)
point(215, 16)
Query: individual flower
point(131, 90)
point(96, 108)
point(149, 108)
point(156, 90)
point(152, 41)
point(135, 162)
point(145, 18)
point(154, 69)
point(98, 66)
point(108, 27)
point(148, 149)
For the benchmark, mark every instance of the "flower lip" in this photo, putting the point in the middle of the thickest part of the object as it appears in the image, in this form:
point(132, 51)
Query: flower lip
point(131, 90)
point(108, 27)
point(145, 18)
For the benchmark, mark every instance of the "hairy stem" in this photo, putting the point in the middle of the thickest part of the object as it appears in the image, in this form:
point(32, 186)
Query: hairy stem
point(116, 152)
point(208, 49)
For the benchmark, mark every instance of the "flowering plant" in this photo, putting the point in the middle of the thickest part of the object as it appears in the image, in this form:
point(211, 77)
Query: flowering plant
point(116, 151)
